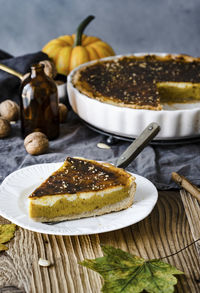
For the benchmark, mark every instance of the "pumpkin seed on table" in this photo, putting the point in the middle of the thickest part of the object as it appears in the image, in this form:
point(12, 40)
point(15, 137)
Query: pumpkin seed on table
point(44, 262)
point(101, 145)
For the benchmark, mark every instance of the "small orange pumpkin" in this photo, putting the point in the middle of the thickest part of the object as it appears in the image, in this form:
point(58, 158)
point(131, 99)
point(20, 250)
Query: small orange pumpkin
point(69, 52)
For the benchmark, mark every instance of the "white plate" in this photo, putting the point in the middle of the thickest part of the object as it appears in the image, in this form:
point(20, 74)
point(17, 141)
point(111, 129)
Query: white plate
point(177, 121)
point(16, 187)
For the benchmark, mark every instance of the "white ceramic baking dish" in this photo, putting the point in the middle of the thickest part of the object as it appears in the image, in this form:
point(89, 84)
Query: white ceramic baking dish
point(177, 121)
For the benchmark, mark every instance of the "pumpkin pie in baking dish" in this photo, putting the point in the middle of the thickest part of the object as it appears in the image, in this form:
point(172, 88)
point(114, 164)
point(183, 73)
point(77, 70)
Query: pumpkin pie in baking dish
point(141, 82)
point(82, 188)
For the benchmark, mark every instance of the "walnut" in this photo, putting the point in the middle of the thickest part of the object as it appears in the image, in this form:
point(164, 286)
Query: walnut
point(9, 110)
point(49, 68)
point(5, 127)
point(36, 143)
point(62, 112)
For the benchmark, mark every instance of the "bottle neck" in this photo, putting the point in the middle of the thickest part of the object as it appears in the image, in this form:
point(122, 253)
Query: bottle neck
point(36, 70)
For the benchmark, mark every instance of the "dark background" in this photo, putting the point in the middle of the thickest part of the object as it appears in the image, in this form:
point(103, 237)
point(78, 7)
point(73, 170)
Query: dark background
point(128, 26)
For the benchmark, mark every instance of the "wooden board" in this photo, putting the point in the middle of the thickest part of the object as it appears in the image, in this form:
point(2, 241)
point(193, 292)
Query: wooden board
point(192, 210)
point(162, 233)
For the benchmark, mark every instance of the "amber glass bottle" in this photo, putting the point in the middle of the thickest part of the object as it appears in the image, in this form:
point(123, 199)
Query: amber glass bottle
point(39, 104)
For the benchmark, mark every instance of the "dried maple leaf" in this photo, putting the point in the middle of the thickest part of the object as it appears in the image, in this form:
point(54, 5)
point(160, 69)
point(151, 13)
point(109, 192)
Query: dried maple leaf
point(7, 232)
point(123, 272)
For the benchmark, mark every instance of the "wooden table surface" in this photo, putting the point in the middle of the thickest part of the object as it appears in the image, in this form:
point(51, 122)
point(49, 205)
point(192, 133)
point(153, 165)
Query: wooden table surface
point(165, 231)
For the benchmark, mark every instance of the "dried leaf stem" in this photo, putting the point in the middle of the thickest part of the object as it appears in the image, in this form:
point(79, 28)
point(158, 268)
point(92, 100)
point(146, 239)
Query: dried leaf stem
point(187, 185)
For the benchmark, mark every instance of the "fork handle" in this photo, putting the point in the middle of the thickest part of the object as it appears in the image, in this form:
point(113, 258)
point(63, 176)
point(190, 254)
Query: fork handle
point(138, 145)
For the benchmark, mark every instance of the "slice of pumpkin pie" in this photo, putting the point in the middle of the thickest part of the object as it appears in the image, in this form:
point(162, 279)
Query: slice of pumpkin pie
point(82, 188)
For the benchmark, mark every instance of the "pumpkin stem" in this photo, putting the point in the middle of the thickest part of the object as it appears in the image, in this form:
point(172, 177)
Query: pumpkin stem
point(80, 29)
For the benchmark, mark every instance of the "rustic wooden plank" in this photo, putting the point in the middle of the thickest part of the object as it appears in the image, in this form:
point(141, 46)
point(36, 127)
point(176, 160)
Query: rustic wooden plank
point(165, 231)
point(64, 253)
point(192, 210)
point(16, 262)
point(11, 289)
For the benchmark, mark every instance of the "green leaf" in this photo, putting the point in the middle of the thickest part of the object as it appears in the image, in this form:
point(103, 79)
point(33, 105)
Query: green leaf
point(7, 232)
point(123, 272)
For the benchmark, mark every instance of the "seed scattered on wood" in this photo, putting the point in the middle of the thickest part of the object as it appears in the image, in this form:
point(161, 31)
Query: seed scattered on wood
point(103, 146)
point(44, 262)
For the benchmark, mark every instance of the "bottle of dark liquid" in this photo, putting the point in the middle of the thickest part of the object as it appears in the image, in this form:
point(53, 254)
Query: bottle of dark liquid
point(39, 104)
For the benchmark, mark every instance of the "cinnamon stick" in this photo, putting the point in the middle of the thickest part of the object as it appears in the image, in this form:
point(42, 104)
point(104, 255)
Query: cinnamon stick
point(187, 185)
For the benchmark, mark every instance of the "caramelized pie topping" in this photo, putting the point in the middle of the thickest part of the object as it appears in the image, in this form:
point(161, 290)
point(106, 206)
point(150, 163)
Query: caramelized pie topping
point(77, 175)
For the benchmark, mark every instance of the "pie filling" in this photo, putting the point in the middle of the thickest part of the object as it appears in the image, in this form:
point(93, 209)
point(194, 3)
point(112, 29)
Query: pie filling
point(141, 82)
point(178, 92)
point(63, 206)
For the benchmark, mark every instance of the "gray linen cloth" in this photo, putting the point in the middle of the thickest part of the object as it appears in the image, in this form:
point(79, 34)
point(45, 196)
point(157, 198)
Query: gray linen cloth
point(155, 162)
